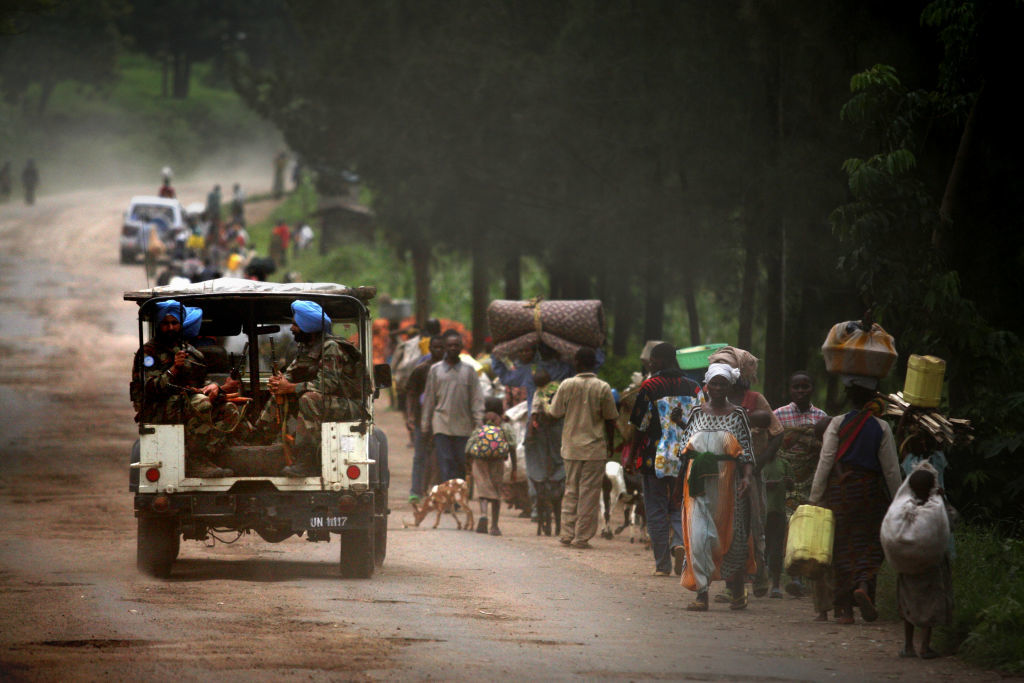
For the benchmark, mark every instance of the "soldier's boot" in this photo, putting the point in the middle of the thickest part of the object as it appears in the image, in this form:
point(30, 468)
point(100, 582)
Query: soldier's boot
point(197, 459)
point(304, 455)
point(202, 468)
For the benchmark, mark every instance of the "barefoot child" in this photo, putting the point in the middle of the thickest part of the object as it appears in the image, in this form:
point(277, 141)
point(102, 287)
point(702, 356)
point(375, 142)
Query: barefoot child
point(925, 599)
point(488, 448)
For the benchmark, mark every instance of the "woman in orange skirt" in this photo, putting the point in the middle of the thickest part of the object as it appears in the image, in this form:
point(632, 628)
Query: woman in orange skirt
point(716, 522)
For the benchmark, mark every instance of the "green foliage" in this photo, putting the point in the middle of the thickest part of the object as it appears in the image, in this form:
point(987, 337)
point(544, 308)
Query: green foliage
point(69, 41)
point(891, 230)
point(988, 614)
point(988, 585)
point(618, 370)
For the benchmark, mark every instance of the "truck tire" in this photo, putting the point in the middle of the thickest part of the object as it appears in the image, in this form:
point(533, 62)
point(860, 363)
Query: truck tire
point(357, 556)
point(380, 540)
point(157, 545)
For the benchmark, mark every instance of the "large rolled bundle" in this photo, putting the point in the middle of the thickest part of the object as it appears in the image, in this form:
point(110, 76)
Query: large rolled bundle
point(849, 349)
point(914, 535)
point(577, 322)
point(566, 350)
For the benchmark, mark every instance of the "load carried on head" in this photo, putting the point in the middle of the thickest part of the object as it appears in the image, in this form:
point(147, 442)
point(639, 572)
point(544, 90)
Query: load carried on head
point(860, 349)
point(563, 325)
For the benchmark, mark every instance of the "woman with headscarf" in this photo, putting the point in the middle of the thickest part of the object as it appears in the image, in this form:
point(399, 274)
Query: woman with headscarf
point(765, 434)
point(719, 475)
point(858, 473)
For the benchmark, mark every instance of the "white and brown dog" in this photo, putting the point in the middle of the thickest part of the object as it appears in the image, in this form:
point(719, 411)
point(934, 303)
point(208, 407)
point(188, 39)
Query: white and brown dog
point(443, 498)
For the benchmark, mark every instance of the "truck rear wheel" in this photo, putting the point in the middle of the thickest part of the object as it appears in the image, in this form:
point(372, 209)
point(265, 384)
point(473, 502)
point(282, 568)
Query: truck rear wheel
point(380, 540)
point(357, 556)
point(157, 545)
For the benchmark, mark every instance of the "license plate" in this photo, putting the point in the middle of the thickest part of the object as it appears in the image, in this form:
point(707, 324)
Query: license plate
point(328, 522)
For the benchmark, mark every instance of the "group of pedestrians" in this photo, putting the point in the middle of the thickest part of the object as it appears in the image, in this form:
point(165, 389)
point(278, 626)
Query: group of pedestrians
point(721, 471)
point(29, 181)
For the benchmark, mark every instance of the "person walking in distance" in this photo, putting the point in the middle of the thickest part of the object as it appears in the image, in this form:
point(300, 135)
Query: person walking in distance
point(658, 447)
point(453, 407)
point(30, 181)
point(415, 387)
point(588, 407)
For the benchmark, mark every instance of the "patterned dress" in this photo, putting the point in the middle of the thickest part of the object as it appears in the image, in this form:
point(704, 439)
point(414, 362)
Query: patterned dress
point(669, 456)
point(716, 526)
point(799, 448)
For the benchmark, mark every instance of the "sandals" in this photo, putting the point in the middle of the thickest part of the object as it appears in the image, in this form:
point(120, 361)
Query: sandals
point(867, 608)
point(740, 602)
point(699, 605)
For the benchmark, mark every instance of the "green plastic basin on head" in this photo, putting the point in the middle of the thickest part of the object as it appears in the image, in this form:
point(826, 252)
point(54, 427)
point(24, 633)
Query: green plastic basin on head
point(696, 357)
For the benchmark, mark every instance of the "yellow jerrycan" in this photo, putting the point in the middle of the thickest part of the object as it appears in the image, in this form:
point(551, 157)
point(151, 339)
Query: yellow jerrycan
point(923, 387)
point(809, 544)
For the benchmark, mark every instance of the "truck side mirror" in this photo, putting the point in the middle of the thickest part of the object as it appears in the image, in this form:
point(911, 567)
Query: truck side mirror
point(382, 375)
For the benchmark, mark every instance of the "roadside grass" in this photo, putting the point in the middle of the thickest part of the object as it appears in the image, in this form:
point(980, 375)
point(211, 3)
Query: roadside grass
point(988, 610)
point(128, 130)
point(988, 582)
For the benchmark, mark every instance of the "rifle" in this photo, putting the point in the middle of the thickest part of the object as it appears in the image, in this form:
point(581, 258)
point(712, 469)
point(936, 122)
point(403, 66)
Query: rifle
point(236, 366)
point(282, 408)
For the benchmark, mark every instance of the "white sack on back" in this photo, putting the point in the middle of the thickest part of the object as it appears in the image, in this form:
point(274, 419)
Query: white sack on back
point(914, 535)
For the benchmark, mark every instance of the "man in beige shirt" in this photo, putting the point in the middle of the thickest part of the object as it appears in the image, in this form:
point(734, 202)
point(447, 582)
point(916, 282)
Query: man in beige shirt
point(587, 404)
point(453, 407)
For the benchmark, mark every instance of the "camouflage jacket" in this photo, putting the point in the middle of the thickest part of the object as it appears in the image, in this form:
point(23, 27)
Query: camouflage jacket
point(334, 369)
point(163, 391)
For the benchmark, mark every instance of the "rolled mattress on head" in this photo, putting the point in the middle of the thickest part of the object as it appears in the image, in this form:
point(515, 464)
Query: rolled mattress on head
point(578, 322)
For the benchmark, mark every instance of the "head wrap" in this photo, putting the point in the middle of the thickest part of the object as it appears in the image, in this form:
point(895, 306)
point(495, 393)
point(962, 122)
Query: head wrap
point(193, 321)
point(645, 354)
point(169, 307)
point(744, 361)
point(310, 317)
point(725, 370)
point(861, 381)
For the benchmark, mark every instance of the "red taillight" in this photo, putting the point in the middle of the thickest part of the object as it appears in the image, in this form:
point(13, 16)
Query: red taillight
point(352, 472)
point(152, 474)
point(161, 503)
point(346, 504)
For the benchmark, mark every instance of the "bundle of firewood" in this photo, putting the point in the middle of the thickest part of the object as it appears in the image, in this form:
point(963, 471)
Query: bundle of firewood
point(945, 430)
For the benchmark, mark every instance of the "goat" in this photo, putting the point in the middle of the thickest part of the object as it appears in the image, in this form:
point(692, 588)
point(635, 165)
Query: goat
point(443, 498)
point(621, 487)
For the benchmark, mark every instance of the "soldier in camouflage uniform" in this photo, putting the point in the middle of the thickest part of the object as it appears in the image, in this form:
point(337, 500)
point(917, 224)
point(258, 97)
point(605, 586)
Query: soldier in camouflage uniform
point(173, 376)
point(324, 383)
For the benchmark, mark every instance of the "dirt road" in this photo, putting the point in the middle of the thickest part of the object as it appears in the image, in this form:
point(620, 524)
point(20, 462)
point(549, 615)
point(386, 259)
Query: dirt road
point(447, 604)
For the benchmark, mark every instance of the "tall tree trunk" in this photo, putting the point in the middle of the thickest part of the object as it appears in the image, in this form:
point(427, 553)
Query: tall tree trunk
point(556, 279)
point(164, 80)
point(479, 294)
point(751, 274)
point(774, 335)
point(775, 325)
point(46, 89)
point(421, 280)
point(181, 69)
point(691, 307)
point(654, 301)
point(624, 315)
point(513, 276)
point(955, 175)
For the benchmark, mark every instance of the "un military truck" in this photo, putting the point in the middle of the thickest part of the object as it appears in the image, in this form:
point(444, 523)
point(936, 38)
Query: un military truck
point(245, 334)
